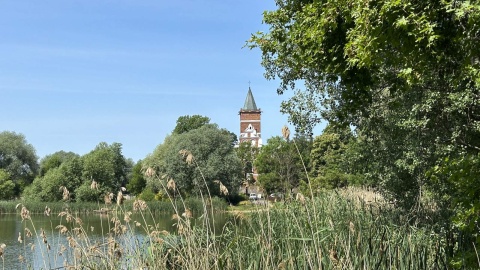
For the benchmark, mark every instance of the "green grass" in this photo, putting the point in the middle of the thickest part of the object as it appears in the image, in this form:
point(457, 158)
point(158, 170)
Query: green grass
point(194, 204)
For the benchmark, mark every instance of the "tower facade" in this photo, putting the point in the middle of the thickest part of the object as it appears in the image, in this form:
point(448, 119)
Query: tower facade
point(250, 121)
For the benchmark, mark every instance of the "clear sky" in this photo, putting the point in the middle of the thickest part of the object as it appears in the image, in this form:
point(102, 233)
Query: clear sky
point(77, 73)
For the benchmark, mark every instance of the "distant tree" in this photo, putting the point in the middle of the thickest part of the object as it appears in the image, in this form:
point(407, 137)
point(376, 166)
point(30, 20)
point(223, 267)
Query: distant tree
point(190, 122)
point(87, 178)
point(18, 158)
point(331, 166)
point(213, 155)
point(106, 165)
point(7, 187)
point(137, 182)
point(247, 153)
point(279, 166)
point(54, 160)
point(85, 193)
point(47, 187)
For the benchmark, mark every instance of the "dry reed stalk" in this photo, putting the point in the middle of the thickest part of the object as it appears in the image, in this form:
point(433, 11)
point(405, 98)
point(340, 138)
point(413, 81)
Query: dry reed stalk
point(352, 227)
point(223, 189)
point(187, 155)
point(94, 185)
point(120, 198)
point(65, 194)
point(47, 211)
point(108, 198)
point(171, 184)
point(300, 198)
point(286, 132)
point(149, 172)
point(139, 205)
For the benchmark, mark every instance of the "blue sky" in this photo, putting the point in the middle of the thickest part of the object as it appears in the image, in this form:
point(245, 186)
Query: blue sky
point(77, 73)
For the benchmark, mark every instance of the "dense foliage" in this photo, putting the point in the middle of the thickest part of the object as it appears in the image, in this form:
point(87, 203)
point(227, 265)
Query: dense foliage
point(208, 156)
point(280, 166)
point(7, 187)
point(332, 158)
point(86, 178)
point(137, 181)
point(18, 158)
point(404, 74)
point(190, 122)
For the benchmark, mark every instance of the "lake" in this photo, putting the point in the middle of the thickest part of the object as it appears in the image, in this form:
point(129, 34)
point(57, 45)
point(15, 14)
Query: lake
point(97, 227)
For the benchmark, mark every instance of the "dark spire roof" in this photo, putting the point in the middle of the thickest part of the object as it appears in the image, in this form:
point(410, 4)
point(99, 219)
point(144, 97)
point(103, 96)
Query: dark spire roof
point(250, 102)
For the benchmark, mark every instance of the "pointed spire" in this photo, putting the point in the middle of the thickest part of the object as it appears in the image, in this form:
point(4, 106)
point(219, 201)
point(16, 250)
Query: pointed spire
point(250, 102)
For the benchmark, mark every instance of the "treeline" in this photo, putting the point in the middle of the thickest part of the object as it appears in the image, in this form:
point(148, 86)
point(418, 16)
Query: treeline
point(197, 158)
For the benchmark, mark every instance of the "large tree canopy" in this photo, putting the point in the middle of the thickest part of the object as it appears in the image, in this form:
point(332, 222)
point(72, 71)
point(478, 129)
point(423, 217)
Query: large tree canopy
point(405, 74)
point(190, 122)
point(17, 158)
point(214, 159)
point(55, 160)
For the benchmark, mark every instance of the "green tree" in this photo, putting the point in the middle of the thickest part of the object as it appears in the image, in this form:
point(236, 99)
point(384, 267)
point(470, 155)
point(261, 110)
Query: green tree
point(405, 74)
point(190, 122)
point(137, 182)
point(331, 167)
point(54, 160)
point(279, 166)
point(106, 165)
point(459, 185)
point(214, 159)
point(7, 187)
point(46, 187)
point(18, 158)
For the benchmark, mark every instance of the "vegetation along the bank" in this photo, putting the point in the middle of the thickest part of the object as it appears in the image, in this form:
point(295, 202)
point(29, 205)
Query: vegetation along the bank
point(398, 83)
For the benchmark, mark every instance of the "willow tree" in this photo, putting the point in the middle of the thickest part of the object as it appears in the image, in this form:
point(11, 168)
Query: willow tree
point(197, 160)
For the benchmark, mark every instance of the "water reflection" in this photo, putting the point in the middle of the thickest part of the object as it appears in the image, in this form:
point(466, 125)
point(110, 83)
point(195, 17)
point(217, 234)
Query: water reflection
point(96, 226)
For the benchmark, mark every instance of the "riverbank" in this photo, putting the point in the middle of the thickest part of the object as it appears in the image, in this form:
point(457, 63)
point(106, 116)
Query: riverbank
point(195, 205)
point(331, 231)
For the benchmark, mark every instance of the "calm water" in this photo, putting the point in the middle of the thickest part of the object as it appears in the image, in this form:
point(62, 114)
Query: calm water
point(96, 225)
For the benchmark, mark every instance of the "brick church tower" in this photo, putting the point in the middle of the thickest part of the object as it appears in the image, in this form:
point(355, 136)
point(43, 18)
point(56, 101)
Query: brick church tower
point(250, 125)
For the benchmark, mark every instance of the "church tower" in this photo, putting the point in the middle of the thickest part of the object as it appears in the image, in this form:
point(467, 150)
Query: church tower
point(250, 125)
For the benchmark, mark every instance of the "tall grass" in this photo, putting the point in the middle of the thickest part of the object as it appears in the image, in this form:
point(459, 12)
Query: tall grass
point(345, 234)
point(349, 236)
point(331, 231)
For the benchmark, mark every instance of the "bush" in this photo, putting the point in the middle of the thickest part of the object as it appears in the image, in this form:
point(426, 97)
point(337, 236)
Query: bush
point(147, 195)
point(86, 194)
